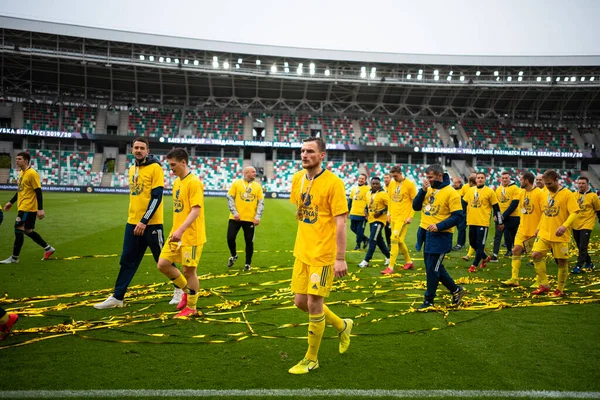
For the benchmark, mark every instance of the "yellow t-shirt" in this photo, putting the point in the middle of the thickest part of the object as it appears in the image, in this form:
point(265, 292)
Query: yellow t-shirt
point(438, 205)
point(358, 194)
point(246, 197)
point(316, 237)
point(142, 180)
point(187, 193)
point(28, 181)
point(588, 204)
point(464, 190)
point(506, 195)
point(479, 205)
point(558, 207)
point(401, 196)
point(531, 206)
point(377, 202)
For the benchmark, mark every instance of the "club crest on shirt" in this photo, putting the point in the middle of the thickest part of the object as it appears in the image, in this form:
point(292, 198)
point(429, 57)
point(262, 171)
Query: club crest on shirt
point(551, 211)
point(177, 203)
point(309, 213)
point(432, 211)
point(397, 197)
point(247, 197)
point(580, 202)
point(503, 198)
point(136, 186)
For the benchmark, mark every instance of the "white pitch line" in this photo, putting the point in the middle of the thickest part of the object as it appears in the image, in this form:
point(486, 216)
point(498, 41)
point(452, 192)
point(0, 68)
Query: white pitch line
point(537, 394)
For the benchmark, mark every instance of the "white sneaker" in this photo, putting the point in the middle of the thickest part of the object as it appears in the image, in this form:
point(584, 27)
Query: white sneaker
point(111, 302)
point(363, 264)
point(177, 295)
point(387, 262)
point(10, 260)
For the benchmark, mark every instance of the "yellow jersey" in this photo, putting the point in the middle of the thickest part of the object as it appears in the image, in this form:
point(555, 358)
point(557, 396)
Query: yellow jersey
point(358, 195)
point(558, 207)
point(318, 201)
point(400, 199)
point(187, 193)
point(142, 179)
point(438, 205)
point(480, 202)
point(531, 206)
point(246, 196)
point(505, 195)
point(588, 203)
point(377, 202)
point(464, 189)
point(28, 181)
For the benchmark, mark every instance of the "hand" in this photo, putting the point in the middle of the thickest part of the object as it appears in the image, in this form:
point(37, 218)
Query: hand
point(432, 228)
point(41, 214)
point(408, 220)
point(139, 229)
point(389, 219)
point(340, 268)
point(237, 217)
point(495, 219)
point(7, 206)
point(561, 230)
point(256, 222)
point(501, 228)
point(176, 236)
point(425, 184)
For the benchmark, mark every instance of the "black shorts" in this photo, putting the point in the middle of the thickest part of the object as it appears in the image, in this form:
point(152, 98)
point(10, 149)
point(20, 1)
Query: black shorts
point(26, 219)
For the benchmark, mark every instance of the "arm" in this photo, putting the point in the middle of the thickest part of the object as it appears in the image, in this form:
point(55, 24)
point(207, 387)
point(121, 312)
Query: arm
point(340, 268)
point(40, 201)
point(512, 207)
point(156, 196)
point(497, 214)
point(454, 219)
point(178, 233)
point(259, 210)
point(232, 208)
point(418, 201)
point(12, 201)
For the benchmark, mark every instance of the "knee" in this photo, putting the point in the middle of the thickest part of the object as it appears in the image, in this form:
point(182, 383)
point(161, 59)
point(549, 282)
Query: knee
point(300, 302)
point(536, 256)
point(315, 304)
point(163, 265)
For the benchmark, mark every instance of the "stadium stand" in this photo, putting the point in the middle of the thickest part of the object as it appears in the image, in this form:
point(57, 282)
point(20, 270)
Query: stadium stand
point(79, 119)
point(214, 124)
point(383, 131)
point(154, 123)
point(40, 116)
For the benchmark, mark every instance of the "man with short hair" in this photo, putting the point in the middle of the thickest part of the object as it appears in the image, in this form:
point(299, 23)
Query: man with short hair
point(377, 209)
point(531, 206)
point(560, 212)
point(589, 204)
point(480, 202)
point(539, 182)
point(29, 207)
point(441, 211)
point(356, 204)
point(246, 203)
point(144, 227)
point(508, 194)
point(320, 248)
point(462, 228)
point(188, 234)
point(401, 194)
point(457, 184)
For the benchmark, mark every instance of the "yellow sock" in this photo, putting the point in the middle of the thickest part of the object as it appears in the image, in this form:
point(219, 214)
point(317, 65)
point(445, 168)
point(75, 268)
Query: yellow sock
point(4, 319)
point(332, 319)
point(471, 252)
point(404, 251)
point(180, 281)
point(516, 266)
point(393, 253)
point(316, 326)
point(192, 299)
point(562, 277)
point(540, 270)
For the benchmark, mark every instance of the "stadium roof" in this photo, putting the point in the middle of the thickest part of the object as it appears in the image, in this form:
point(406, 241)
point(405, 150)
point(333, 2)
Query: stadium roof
point(51, 67)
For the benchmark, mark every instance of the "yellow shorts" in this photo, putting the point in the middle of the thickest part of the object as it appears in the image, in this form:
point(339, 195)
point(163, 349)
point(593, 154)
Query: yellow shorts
point(312, 280)
point(399, 229)
point(188, 256)
point(520, 239)
point(560, 250)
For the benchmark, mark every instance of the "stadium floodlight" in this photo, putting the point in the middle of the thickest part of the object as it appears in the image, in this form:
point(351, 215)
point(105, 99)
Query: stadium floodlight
point(496, 73)
point(285, 64)
point(420, 72)
point(286, 69)
point(215, 64)
point(363, 74)
point(477, 73)
point(419, 77)
point(548, 79)
point(226, 64)
point(186, 61)
point(257, 62)
point(497, 79)
point(558, 79)
point(168, 59)
point(363, 69)
point(327, 72)
point(509, 79)
point(239, 61)
point(408, 76)
point(449, 78)
point(582, 78)
point(142, 57)
point(237, 66)
point(436, 78)
point(372, 75)
point(161, 59)
point(196, 62)
point(539, 79)
point(520, 78)
point(573, 79)
point(436, 72)
point(273, 69)
point(462, 78)
point(176, 61)
point(520, 73)
point(450, 73)
point(566, 79)
point(151, 58)
point(311, 66)
point(299, 69)
point(215, 58)
point(592, 79)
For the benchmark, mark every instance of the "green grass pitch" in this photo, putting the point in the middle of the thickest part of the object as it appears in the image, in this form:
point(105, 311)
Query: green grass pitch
point(502, 339)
